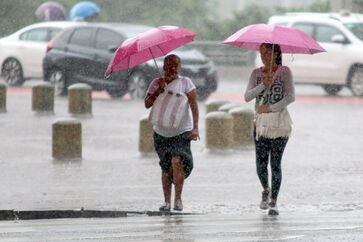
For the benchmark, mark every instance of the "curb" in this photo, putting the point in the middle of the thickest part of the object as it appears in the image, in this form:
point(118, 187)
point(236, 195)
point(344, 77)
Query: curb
point(82, 213)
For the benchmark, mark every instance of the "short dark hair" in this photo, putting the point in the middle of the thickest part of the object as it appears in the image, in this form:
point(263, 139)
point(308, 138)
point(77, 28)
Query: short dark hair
point(277, 49)
point(172, 56)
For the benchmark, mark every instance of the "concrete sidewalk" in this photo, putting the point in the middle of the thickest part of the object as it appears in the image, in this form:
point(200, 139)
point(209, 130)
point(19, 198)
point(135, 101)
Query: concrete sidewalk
point(322, 165)
point(322, 227)
point(320, 197)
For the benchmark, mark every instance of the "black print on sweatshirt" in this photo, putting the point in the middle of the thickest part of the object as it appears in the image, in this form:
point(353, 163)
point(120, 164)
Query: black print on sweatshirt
point(276, 91)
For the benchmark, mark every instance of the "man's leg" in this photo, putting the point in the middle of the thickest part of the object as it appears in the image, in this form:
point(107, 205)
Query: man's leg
point(166, 181)
point(178, 176)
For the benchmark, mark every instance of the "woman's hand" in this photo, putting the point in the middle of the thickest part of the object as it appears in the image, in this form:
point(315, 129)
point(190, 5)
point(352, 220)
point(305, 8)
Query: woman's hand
point(194, 135)
point(150, 98)
point(263, 109)
point(162, 84)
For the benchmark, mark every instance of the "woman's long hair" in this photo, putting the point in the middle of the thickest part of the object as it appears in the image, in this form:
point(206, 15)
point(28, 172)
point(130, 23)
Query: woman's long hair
point(277, 49)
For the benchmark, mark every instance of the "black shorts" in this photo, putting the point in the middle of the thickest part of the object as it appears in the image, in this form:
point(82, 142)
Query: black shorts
point(177, 146)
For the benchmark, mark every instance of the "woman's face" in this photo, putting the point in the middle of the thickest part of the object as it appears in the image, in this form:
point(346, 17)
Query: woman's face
point(265, 53)
point(171, 67)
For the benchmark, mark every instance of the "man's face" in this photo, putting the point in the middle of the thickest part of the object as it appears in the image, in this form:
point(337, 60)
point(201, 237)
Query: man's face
point(171, 67)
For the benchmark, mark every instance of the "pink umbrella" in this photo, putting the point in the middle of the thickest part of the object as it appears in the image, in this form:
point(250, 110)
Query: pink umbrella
point(50, 11)
point(149, 45)
point(291, 40)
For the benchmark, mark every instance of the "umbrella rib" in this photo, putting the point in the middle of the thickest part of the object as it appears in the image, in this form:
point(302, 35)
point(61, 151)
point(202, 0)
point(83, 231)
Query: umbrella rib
point(160, 50)
point(128, 61)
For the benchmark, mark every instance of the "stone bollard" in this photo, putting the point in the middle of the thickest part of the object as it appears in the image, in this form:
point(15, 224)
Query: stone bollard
point(242, 126)
point(80, 99)
point(2, 98)
point(67, 139)
point(43, 97)
point(228, 106)
point(213, 105)
point(219, 130)
point(146, 133)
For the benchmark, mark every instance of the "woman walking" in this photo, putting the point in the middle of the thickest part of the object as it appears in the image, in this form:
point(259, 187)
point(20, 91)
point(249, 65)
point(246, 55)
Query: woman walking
point(173, 144)
point(273, 88)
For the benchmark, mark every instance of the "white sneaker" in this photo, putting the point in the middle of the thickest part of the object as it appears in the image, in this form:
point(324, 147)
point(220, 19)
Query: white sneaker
point(265, 199)
point(273, 211)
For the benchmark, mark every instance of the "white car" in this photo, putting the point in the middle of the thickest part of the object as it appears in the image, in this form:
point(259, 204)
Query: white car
point(341, 36)
point(21, 53)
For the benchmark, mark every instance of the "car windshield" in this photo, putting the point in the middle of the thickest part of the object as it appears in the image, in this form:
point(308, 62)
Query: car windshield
point(131, 32)
point(183, 48)
point(356, 29)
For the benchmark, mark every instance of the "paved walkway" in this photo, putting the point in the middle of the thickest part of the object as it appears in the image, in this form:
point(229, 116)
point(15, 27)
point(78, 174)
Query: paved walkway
point(322, 178)
point(345, 226)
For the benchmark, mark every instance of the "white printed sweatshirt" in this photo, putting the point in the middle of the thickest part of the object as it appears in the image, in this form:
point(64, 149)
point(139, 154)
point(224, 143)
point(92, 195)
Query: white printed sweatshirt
point(282, 90)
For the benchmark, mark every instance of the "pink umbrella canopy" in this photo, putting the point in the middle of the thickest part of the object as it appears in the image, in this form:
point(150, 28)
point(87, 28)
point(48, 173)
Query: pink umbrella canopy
point(149, 45)
point(50, 11)
point(291, 40)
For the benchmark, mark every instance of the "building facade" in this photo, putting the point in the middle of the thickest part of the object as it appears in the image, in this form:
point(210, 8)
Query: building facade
point(355, 6)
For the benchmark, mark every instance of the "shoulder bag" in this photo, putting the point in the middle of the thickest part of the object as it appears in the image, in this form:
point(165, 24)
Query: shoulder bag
point(168, 109)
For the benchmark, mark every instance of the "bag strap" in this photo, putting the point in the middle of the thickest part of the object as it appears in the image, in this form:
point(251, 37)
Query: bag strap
point(171, 84)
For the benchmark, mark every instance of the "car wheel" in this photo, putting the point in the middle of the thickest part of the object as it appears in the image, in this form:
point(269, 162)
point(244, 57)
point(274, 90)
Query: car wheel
point(13, 72)
point(57, 78)
point(332, 89)
point(356, 80)
point(137, 85)
point(116, 92)
point(202, 93)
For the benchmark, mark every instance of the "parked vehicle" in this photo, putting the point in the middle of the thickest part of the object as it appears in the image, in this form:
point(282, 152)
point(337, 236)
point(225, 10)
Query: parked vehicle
point(22, 52)
point(341, 36)
point(82, 54)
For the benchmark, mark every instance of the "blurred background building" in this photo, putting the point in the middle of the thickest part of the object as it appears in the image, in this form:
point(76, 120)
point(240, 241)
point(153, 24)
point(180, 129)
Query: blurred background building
point(226, 8)
point(350, 5)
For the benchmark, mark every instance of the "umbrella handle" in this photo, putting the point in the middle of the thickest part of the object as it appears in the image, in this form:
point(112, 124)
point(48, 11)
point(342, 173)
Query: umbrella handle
point(270, 71)
point(156, 65)
point(268, 88)
point(272, 57)
point(106, 76)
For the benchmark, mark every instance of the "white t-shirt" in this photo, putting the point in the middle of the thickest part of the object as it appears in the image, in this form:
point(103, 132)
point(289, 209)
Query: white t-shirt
point(182, 84)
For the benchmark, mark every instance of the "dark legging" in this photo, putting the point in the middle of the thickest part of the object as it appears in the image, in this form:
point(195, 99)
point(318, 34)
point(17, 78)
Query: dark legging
point(274, 148)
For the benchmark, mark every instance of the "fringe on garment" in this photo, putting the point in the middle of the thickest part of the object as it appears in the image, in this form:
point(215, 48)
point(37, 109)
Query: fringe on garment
point(273, 125)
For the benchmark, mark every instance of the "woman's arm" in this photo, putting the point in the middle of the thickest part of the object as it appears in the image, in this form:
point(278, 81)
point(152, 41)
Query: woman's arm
point(151, 97)
point(253, 90)
point(192, 99)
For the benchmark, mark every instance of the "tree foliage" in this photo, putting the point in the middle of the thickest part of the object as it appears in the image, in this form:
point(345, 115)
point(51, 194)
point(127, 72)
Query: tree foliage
point(196, 15)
